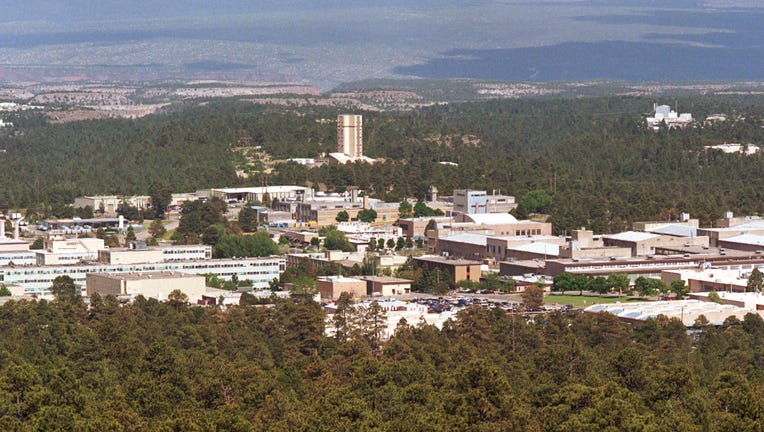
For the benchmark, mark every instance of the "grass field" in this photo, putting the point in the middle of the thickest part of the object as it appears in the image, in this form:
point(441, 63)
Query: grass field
point(587, 300)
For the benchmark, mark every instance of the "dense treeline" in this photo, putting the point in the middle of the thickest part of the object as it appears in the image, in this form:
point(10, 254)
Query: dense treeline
point(602, 167)
point(169, 366)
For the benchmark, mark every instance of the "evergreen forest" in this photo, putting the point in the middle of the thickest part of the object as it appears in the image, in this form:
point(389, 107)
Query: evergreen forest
point(151, 366)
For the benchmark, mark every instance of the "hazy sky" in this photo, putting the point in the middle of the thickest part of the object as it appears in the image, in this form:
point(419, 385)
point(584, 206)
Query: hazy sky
point(326, 42)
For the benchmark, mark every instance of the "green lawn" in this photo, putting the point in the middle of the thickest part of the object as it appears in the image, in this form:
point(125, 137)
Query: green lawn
point(587, 300)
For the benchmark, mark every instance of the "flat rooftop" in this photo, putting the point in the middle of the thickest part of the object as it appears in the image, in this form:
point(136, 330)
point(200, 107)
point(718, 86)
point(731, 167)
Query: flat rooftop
point(538, 248)
point(751, 300)
point(384, 279)
point(444, 260)
point(469, 238)
point(685, 310)
point(711, 255)
point(746, 239)
point(751, 225)
point(338, 279)
point(676, 230)
point(148, 275)
point(632, 236)
point(260, 189)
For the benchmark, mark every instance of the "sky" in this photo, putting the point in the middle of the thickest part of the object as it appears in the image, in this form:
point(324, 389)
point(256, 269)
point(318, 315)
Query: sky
point(327, 42)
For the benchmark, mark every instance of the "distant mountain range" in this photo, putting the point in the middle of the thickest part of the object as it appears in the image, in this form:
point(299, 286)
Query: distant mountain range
point(329, 42)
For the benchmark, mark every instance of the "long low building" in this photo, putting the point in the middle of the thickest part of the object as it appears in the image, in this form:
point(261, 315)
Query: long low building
point(716, 235)
point(748, 300)
point(700, 280)
point(744, 242)
point(687, 311)
point(18, 258)
point(259, 193)
point(38, 279)
point(654, 264)
point(156, 285)
point(155, 254)
point(386, 285)
point(644, 243)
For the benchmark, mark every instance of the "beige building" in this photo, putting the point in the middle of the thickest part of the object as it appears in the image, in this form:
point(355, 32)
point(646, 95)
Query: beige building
point(130, 256)
point(156, 285)
point(497, 224)
point(459, 269)
point(519, 248)
point(583, 244)
point(391, 262)
point(11, 245)
point(413, 227)
point(324, 212)
point(331, 287)
point(386, 286)
point(350, 135)
point(68, 251)
point(716, 235)
point(642, 243)
point(709, 279)
point(464, 245)
point(110, 203)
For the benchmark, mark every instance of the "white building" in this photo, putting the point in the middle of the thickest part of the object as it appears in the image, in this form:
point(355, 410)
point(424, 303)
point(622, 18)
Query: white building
point(68, 251)
point(110, 203)
point(364, 231)
point(745, 149)
point(672, 120)
point(686, 311)
point(38, 279)
point(259, 194)
point(18, 258)
point(413, 313)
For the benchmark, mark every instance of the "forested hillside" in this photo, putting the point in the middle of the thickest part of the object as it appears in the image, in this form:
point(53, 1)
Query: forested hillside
point(153, 366)
point(602, 167)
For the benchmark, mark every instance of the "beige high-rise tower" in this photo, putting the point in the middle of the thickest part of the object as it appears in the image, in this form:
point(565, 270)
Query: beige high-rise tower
point(350, 135)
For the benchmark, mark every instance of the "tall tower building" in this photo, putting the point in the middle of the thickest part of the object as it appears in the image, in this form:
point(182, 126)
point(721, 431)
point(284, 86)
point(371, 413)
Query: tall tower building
point(350, 135)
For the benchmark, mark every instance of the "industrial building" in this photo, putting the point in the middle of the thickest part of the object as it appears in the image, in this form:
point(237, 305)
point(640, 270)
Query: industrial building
point(470, 201)
point(711, 279)
point(687, 311)
point(458, 269)
point(258, 194)
point(331, 287)
point(323, 209)
point(59, 250)
point(413, 227)
point(110, 203)
point(645, 243)
point(38, 279)
point(386, 285)
point(664, 115)
point(138, 255)
point(157, 284)
point(650, 266)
